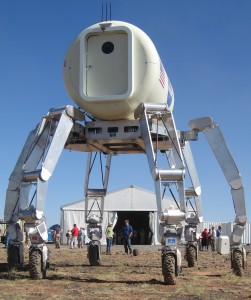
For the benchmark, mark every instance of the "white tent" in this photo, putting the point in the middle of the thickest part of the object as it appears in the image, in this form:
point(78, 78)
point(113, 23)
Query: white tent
point(136, 202)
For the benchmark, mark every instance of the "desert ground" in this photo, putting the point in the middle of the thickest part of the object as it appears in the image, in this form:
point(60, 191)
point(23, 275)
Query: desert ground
point(124, 277)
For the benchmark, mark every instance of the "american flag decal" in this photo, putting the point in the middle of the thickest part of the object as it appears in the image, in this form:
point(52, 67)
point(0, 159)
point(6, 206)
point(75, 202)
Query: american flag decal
point(162, 75)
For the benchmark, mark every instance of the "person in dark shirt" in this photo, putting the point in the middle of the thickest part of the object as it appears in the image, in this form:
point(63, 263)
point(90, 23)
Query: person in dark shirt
point(126, 233)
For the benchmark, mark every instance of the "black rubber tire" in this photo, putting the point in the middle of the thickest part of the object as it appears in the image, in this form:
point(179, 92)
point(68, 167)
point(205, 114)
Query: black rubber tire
point(237, 263)
point(191, 257)
point(35, 265)
point(135, 252)
point(13, 258)
point(93, 255)
point(168, 269)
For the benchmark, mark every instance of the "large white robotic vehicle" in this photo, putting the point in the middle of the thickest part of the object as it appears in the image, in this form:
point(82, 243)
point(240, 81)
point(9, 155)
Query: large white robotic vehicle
point(114, 74)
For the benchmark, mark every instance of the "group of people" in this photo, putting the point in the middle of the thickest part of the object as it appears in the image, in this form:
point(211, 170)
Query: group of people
point(75, 237)
point(126, 235)
point(208, 238)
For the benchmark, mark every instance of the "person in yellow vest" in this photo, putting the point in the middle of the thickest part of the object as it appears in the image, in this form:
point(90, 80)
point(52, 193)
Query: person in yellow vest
point(109, 236)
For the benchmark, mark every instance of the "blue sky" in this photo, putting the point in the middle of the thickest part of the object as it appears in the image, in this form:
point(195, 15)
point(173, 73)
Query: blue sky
point(205, 47)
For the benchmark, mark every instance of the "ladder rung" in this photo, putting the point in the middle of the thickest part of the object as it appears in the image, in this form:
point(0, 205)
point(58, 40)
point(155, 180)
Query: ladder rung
point(96, 192)
point(190, 192)
point(31, 176)
point(172, 174)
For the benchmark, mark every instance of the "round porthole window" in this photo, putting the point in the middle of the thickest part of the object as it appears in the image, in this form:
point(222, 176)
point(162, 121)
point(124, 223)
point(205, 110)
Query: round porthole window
point(107, 47)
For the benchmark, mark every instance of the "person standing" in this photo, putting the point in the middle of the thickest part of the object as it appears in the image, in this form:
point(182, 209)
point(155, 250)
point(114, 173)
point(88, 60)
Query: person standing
point(209, 238)
point(126, 233)
point(53, 234)
point(204, 236)
point(80, 238)
point(68, 235)
point(74, 236)
point(213, 237)
point(84, 235)
point(109, 235)
point(58, 230)
point(219, 231)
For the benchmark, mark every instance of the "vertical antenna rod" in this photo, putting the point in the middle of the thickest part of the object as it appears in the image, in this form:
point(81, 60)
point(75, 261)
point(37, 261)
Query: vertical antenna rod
point(102, 13)
point(110, 11)
point(106, 11)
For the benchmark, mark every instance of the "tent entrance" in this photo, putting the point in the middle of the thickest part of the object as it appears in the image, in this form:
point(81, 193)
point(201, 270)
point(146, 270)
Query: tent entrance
point(139, 220)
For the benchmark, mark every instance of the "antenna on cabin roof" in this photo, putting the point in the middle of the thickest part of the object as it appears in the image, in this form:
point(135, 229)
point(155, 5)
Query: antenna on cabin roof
point(102, 12)
point(110, 11)
point(106, 12)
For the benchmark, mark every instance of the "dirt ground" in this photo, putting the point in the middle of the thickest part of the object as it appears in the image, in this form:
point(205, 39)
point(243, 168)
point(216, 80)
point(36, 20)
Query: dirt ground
point(124, 277)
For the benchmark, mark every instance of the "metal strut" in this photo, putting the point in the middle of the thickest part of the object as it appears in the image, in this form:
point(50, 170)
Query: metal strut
point(219, 147)
point(30, 168)
point(94, 207)
point(177, 226)
point(175, 151)
point(231, 172)
point(94, 197)
point(150, 114)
